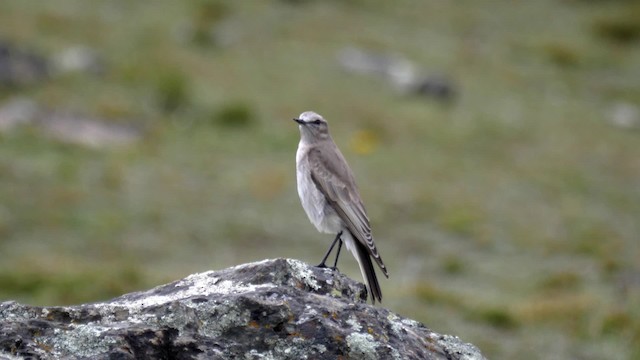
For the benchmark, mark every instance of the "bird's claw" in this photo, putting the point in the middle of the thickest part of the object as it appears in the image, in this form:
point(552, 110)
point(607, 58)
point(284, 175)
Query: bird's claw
point(324, 266)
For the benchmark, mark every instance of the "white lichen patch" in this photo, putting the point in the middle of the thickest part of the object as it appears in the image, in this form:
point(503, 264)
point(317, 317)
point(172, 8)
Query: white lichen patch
point(234, 316)
point(308, 314)
point(83, 340)
point(254, 354)
point(465, 351)
point(335, 292)
point(396, 326)
point(353, 322)
point(297, 348)
point(303, 273)
point(6, 356)
point(362, 346)
point(402, 326)
point(319, 348)
point(202, 284)
point(396, 354)
point(253, 264)
point(13, 311)
point(410, 323)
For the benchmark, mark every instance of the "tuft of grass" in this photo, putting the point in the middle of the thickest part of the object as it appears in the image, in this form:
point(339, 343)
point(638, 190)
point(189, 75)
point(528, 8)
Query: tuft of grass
point(172, 90)
point(499, 318)
point(618, 322)
point(452, 264)
point(570, 311)
point(431, 294)
point(234, 114)
point(562, 54)
point(561, 281)
point(206, 14)
point(619, 29)
point(462, 219)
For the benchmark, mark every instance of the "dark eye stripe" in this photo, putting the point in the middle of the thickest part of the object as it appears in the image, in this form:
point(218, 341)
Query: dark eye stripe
point(317, 122)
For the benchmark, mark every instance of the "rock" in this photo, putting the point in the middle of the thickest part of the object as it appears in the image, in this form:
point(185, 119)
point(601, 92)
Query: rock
point(79, 59)
point(437, 87)
point(87, 131)
point(19, 67)
point(66, 127)
point(403, 75)
point(17, 111)
point(273, 309)
point(625, 116)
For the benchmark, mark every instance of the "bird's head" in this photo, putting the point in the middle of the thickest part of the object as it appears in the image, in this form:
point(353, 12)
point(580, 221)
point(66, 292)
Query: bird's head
point(312, 126)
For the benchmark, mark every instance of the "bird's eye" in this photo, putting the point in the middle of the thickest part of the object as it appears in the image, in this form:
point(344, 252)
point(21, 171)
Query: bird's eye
point(317, 122)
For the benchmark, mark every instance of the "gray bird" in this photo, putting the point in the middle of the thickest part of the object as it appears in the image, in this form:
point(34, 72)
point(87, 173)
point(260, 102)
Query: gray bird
point(330, 198)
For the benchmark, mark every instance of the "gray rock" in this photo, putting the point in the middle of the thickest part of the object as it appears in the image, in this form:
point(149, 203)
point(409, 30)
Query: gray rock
point(17, 111)
point(402, 74)
point(87, 131)
point(625, 116)
point(66, 127)
point(273, 309)
point(79, 59)
point(20, 67)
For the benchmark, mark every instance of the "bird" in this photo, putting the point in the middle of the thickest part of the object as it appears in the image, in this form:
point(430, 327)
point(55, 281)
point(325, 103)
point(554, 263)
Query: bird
point(330, 198)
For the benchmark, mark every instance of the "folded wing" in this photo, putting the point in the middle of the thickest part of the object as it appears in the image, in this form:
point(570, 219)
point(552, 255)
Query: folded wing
point(335, 181)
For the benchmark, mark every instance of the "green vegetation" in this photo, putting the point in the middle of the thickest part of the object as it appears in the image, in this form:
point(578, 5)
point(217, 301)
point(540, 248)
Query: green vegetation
point(509, 217)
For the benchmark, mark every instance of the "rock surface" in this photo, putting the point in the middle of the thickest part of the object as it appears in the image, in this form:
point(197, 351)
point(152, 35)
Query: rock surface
point(89, 131)
point(273, 309)
point(402, 74)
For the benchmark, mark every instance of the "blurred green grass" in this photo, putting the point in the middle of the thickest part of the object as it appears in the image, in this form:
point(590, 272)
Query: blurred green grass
point(506, 217)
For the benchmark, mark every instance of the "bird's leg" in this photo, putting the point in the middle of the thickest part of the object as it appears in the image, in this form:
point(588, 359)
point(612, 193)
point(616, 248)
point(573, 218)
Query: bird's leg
point(322, 263)
point(335, 263)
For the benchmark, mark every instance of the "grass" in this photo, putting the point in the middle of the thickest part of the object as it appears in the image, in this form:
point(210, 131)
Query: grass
point(504, 216)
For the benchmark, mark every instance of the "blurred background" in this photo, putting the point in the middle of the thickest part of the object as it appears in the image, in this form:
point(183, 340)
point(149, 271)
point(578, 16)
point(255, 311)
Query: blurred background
point(496, 145)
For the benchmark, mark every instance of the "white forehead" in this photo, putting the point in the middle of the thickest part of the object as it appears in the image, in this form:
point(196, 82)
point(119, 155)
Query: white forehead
point(310, 116)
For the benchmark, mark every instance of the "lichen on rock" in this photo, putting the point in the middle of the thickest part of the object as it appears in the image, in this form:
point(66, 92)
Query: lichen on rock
point(272, 309)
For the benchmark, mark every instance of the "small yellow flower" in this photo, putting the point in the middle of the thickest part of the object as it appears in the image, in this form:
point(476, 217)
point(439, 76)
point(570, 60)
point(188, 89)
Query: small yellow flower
point(364, 142)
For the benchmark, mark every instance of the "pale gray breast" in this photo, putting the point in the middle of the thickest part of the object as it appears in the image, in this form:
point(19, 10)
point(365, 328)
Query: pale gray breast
point(314, 203)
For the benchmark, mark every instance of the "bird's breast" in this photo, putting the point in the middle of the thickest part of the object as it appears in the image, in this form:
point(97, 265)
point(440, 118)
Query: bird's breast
point(314, 203)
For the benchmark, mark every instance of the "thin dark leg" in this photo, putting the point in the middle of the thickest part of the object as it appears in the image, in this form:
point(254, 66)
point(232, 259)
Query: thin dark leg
point(322, 264)
point(335, 264)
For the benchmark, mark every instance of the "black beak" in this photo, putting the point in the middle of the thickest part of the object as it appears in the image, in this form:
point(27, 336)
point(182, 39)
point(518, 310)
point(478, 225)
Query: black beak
point(301, 122)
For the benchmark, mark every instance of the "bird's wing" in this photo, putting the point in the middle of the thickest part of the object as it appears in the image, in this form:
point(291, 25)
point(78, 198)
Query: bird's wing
point(331, 175)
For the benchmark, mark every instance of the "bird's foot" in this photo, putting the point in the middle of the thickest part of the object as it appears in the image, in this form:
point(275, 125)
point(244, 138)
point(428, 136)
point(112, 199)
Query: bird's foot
point(324, 266)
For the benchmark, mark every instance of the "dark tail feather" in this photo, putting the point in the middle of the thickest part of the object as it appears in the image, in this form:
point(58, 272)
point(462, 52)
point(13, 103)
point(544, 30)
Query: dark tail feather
point(368, 272)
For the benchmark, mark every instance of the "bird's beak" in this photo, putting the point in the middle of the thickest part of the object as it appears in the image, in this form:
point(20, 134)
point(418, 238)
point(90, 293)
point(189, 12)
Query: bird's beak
point(299, 121)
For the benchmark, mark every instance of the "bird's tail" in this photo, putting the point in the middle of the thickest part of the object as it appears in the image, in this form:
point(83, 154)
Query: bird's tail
point(368, 271)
